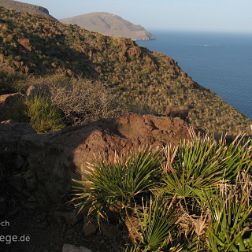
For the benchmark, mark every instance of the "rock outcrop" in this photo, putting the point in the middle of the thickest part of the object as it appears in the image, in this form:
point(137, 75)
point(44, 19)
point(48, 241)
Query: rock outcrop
point(10, 104)
point(179, 111)
point(50, 161)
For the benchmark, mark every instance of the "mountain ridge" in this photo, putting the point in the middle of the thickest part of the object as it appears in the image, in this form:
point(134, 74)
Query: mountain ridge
point(25, 7)
point(109, 24)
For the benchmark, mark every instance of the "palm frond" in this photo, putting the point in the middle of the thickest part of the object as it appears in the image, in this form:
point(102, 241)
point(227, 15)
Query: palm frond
point(198, 167)
point(116, 185)
point(230, 226)
point(156, 220)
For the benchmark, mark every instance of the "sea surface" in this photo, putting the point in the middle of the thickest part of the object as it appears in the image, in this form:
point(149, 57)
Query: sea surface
point(220, 62)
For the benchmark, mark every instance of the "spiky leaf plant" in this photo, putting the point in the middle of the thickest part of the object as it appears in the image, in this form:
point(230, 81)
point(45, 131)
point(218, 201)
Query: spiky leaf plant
point(134, 248)
point(201, 165)
point(236, 157)
point(231, 217)
point(116, 186)
point(155, 222)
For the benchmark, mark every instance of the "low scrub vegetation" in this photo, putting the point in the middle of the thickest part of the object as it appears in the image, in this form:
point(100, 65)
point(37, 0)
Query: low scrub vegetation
point(71, 102)
point(43, 115)
point(39, 111)
point(194, 197)
point(81, 100)
point(34, 47)
point(54, 102)
point(9, 82)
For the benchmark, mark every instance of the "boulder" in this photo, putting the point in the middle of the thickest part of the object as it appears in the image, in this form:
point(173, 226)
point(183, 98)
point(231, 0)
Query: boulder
point(177, 111)
point(11, 105)
point(25, 43)
point(51, 160)
point(9, 99)
point(3, 25)
point(13, 133)
point(125, 134)
point(1, 56)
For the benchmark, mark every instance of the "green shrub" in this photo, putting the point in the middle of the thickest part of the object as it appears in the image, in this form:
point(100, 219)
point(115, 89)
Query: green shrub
point(43, 115)
point(202, 164)
point(117, 185)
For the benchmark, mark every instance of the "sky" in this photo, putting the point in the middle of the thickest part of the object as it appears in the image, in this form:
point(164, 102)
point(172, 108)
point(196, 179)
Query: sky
point(185, 15)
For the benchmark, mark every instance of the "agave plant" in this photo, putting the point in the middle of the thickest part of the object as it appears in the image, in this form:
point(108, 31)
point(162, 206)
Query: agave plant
point(116, 186)
point(231, 217)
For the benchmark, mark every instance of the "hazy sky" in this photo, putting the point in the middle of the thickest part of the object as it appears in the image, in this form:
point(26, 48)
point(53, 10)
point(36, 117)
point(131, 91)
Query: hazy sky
point(206, 15)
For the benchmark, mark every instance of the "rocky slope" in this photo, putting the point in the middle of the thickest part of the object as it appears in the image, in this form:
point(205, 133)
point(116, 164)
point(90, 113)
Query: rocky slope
point(24, 7)
point(34, 46)
point(109, 24)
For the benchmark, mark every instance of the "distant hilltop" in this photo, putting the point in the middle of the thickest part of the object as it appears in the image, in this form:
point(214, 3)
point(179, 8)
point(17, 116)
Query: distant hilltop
point(109, 24)
point(24, 7)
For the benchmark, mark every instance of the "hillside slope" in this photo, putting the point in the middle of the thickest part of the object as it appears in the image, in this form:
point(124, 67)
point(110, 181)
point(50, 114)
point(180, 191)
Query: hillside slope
point(24, 7)
point(109, 24)
point(37, 46)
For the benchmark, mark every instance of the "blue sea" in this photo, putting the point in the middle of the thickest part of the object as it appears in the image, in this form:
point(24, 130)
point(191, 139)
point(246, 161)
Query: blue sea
point(220, 62)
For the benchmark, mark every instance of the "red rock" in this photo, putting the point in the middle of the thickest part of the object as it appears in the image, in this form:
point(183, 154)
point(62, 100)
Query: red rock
point(54, 158)
point(25, 43)
point(177, 111)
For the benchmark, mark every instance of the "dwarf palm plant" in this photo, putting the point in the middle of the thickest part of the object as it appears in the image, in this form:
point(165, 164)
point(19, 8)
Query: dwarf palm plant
point(195, 168)
point(230, 227)
point(115, 186)
point(237, 157)
point(198, 167)
point(155, 222)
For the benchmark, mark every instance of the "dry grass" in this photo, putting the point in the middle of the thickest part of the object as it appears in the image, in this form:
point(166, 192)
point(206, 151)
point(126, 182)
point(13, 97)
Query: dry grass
point(82, 101)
